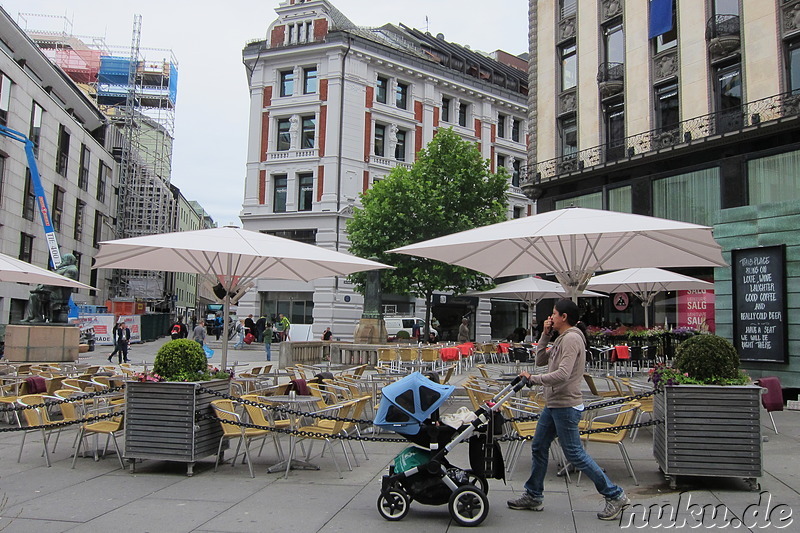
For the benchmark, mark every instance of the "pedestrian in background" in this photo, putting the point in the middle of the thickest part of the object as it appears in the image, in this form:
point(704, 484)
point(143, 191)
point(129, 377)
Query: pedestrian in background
point(261, 323)
point(285, 325)
point(250, 325)
point(123, 338)
point(463, 330)
point(268, 340)
point(239, 330)
point(114, 341)
point(327, 334)
point(199, 333)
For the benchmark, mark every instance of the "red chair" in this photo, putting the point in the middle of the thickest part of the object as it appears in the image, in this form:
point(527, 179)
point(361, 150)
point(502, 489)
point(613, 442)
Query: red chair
point(772, 399)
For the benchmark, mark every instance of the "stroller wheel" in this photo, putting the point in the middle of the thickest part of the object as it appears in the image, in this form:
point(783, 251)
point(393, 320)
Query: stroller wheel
point(393, 505)
point(478, 480)
point(468, 506)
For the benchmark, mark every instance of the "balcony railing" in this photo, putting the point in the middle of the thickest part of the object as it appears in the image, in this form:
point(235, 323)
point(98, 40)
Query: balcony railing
point(748, 115)
point(722, 26)
point(611, 72)
point(305, 153)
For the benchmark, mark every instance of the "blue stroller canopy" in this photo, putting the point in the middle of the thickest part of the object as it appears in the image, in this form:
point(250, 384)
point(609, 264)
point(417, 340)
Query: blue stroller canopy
point(407, 403)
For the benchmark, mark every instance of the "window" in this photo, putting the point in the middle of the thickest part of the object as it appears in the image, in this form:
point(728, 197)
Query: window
point(462, 114)
point(501, 126)
point(667, 111)
point(614, 115)
point(590, 201)
point(57, 209)
point(726, 7)
point(287, 83)
point(793, 66)
point(400, 147)
point(401, 95)
point(614, 43)
point(620, 200)
point(93, 281)
point(728, 97)
point(774, 179)
point(568, 7)
point(380, 136)
point(568, 133)
point(34, 134)
point(446, 103)
point(515, 175)
point(97, 233)
point(80, 207)
point(62, 154)
point(102, 176)
point(83, 173)
point(501, 161)
point(26, 248)
point(669, 39)
point(381, 88)
point(29, 200)
point(517, 212)
point(5, 98)
point(515, 127)
point(309, 128)
point(284, 137)
point(310, 80)
point(569, 67)
point(305, 192)
point(693, 197)
point(279, 193)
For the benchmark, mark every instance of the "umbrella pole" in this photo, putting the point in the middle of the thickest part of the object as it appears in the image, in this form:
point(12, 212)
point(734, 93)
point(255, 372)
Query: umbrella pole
point(226, 312)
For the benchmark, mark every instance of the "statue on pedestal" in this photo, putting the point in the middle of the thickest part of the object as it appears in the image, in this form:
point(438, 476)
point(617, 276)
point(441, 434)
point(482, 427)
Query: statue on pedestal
point(49, 303)
point(372, 295)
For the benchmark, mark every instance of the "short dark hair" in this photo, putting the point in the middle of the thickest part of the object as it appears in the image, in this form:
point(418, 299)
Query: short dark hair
point(570, 308)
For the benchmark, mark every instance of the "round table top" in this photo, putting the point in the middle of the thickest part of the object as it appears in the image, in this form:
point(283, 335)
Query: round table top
point(285, 398)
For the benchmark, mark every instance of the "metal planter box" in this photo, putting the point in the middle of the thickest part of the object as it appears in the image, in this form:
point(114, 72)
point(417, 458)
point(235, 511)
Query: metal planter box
point(708, 430)
point(160, 421)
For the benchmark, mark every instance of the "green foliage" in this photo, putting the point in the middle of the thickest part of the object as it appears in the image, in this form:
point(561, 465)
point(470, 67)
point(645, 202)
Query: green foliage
point(448, 189)
point(708, 359)
point(180, 359)
point(403, 334)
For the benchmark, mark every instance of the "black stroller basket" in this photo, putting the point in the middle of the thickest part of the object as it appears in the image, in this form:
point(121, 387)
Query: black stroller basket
point(430, 479)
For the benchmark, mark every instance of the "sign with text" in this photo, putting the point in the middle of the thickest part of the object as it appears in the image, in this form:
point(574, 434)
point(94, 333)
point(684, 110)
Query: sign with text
point(759, 303)
point(696, 309)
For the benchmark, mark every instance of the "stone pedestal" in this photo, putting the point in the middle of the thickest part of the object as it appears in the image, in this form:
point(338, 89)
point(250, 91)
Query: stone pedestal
point(51, 343)
point(370, 331)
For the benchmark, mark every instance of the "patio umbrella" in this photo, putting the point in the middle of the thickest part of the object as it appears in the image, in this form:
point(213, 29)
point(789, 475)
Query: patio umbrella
point(645, 283)
point(530, 291)
point(573, 244)
point(234, 256)
point(14, 270)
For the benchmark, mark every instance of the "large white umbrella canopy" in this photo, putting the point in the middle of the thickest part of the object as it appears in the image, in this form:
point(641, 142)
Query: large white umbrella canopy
point(646, 283)
point(574, 243)
point(14, 270)
point(530, 290)
point(235, 257)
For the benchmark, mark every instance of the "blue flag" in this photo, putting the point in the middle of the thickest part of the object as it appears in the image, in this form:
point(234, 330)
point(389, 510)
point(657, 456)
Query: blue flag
point(660, 17)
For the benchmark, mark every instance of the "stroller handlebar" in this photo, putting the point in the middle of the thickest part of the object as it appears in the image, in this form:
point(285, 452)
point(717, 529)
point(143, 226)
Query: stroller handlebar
point(519, 382)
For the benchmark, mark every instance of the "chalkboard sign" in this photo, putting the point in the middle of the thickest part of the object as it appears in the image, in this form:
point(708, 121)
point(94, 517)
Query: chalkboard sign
point(759, 304)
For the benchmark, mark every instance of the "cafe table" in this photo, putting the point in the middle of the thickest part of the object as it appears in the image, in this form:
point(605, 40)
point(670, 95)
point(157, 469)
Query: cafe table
point(293, 402)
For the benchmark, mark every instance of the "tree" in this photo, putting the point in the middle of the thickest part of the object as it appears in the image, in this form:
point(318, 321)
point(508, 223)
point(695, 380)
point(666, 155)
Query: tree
point(448, 189)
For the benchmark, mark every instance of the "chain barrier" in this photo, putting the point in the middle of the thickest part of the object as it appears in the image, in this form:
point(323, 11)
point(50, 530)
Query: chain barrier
point(47, 403)
point(63, 423)
point(204, 416)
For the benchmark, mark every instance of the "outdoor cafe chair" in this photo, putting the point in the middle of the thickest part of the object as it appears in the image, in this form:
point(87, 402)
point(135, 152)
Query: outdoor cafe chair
point(226, 411)
point(37, 420)
point(109, 427)
point(620, 415)
point(266, 418)
point(9, 394)
point(321, 429)
point(613, 387)
point(387, 357)
point(514, 409)
point(772, 399)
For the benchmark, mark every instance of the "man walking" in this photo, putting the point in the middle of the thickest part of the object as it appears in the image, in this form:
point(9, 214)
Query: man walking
point(565, 362)
point(199, 333)
point(122, 339)
point(284, 326)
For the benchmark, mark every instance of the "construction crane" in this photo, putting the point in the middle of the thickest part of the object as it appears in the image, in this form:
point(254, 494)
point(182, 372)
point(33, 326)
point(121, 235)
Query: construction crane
point(41, 201)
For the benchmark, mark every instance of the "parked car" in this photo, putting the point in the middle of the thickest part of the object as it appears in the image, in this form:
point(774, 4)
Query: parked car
point(395, 325)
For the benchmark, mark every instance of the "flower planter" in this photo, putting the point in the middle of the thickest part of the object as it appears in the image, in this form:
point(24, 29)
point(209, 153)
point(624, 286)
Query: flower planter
point(160, 421)
point(708, 430)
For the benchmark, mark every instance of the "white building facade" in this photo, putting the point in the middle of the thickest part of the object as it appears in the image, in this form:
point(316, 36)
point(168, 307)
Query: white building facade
point(333, 109)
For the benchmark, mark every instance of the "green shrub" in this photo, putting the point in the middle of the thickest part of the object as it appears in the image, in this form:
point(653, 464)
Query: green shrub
point(180, 360)
point(709, 359)
point(403, 334)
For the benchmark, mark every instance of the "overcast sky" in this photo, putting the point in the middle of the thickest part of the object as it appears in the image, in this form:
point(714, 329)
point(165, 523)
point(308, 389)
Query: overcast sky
point(207, 39)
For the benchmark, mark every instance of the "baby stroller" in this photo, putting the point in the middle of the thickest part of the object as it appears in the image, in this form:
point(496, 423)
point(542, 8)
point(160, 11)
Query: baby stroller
point(422, 473)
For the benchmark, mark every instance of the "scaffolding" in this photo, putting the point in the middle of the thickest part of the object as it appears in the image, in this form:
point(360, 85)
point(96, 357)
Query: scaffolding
point(136, 88)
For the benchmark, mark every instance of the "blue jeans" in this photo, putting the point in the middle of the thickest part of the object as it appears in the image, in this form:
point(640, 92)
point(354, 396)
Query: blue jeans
point(562, 422)
point(268, 349)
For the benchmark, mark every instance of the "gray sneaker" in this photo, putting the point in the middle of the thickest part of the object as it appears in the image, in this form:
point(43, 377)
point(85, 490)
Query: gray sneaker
point(614, 506)
point(526, 502)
